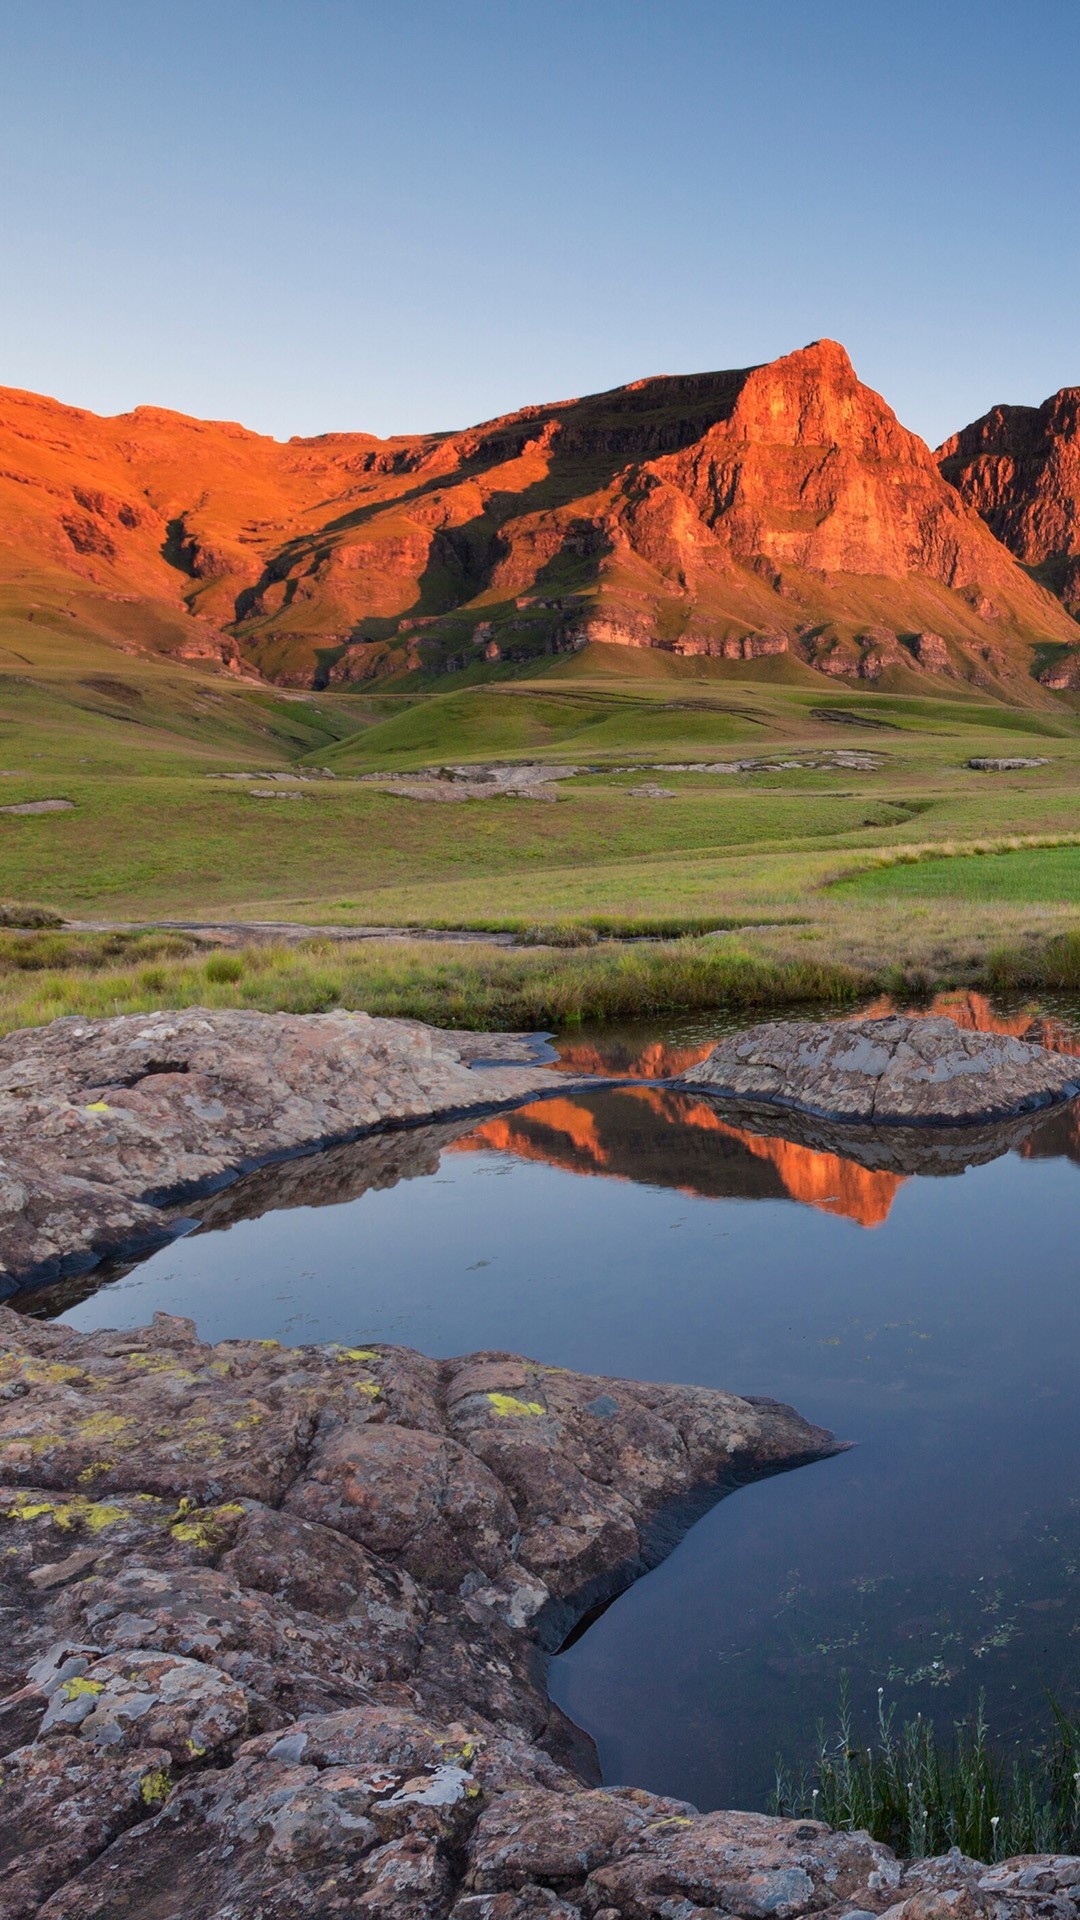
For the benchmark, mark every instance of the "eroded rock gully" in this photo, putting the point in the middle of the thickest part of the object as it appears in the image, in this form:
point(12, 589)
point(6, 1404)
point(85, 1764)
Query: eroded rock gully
point(275, 1633)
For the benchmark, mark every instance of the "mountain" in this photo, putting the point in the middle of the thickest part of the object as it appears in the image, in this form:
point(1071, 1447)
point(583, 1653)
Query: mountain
point(779, 509)
point(1019, 467)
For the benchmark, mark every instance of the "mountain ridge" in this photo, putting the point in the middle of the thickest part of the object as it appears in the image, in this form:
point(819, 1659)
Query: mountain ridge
point(776, 509)
point(1019, 467)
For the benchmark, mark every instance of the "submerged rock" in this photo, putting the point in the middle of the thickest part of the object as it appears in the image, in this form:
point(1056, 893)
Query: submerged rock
point(105, 1123)
point(898, 1070)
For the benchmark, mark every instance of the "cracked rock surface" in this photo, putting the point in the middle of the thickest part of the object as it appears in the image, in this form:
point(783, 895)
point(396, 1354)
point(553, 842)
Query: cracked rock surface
point(275, 1634)
point(918, 1072)
point(106, 1123)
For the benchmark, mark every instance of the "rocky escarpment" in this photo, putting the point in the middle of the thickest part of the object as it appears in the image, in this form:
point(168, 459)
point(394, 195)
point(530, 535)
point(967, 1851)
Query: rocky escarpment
point(1019, 467)
point(105, 1126)
point(774, 509)
point(275, 1623)
point(895, 1071)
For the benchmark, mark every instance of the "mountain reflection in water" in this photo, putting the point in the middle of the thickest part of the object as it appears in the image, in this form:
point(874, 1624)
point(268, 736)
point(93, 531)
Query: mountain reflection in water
point(600, 1133)
point(682, 1141)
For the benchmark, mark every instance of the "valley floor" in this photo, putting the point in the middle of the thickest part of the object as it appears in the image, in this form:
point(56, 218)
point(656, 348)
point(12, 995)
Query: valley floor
point(858, 849)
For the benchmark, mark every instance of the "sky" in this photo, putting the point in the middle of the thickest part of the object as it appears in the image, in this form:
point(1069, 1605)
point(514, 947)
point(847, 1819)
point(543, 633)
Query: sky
point(412, 215)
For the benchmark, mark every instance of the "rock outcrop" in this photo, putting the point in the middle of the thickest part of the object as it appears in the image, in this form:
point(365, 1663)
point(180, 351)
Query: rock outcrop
point(776, 509)
point(104, 1125)
point(275, 1627)
point(888, 1072)
point(276, 1619)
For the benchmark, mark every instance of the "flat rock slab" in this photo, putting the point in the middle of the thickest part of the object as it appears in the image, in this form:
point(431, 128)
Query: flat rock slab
point(40, 806)
point(1007, 766)
point(896, 1071)
point(106, 1123)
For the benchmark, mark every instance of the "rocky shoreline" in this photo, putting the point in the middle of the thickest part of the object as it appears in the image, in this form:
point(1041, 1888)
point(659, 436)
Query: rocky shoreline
point(277, 1619)
point(276, 1626)
point(109, 1128)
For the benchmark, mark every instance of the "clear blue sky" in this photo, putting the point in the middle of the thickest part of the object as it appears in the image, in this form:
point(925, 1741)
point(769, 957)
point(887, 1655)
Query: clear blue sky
point(410, 214)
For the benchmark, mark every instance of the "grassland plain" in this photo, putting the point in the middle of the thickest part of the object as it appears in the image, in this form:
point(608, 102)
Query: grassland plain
point(825, 871)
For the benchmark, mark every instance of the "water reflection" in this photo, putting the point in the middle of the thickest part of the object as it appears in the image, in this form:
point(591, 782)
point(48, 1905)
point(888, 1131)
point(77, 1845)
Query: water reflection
point(719, 1148)
point(664, 1235)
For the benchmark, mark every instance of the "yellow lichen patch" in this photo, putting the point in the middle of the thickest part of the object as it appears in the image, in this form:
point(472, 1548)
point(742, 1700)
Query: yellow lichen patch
point(157, 1363)
point(94, 1471)
point(254, 1417)
point(155, 1787)
point(268, 1343)
point(371, 1388)
point(219, 1367)
point(98, 1106)
point(72, 1512)
point(28, 1510)
point(357, 1353)
point(194, 1533)
point(77, 1685)
point(505, 1403)
point(670, 1820)
point(102, 1426)
point(208, 1529)
point(53, 1373)
point(196, 1752)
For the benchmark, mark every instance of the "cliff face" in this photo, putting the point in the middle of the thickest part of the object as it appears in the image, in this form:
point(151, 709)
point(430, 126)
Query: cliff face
point(778, 509)
point(1019, 467)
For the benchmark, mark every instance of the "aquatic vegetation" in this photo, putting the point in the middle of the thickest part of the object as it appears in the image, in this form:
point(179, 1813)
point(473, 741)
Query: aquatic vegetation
point(921, 1794)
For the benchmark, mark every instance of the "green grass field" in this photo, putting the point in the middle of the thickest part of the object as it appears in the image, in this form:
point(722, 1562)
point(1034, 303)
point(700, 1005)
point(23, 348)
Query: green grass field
point(817, 864)
point(1048, 874)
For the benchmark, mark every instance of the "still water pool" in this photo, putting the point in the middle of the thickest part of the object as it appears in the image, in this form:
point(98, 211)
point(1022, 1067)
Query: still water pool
point(933, 1321)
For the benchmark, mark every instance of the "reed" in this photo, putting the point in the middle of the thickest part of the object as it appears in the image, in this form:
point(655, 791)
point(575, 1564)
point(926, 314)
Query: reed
point(921, 1795)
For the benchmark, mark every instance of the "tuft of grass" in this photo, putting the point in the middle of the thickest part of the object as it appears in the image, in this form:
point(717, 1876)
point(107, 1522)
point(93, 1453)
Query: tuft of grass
point(38, 951)
point(222, 969)
point(24, 913)
point(564, 934)
point(921, 1795)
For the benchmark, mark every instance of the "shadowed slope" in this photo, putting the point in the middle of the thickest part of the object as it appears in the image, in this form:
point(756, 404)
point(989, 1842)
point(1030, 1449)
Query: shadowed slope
point(1019, 467)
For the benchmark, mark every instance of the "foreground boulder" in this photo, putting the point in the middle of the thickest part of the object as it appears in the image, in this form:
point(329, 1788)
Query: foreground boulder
point(275, 1623)
point(104, 1124)
point(899, 1070)
point(287, 1609)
